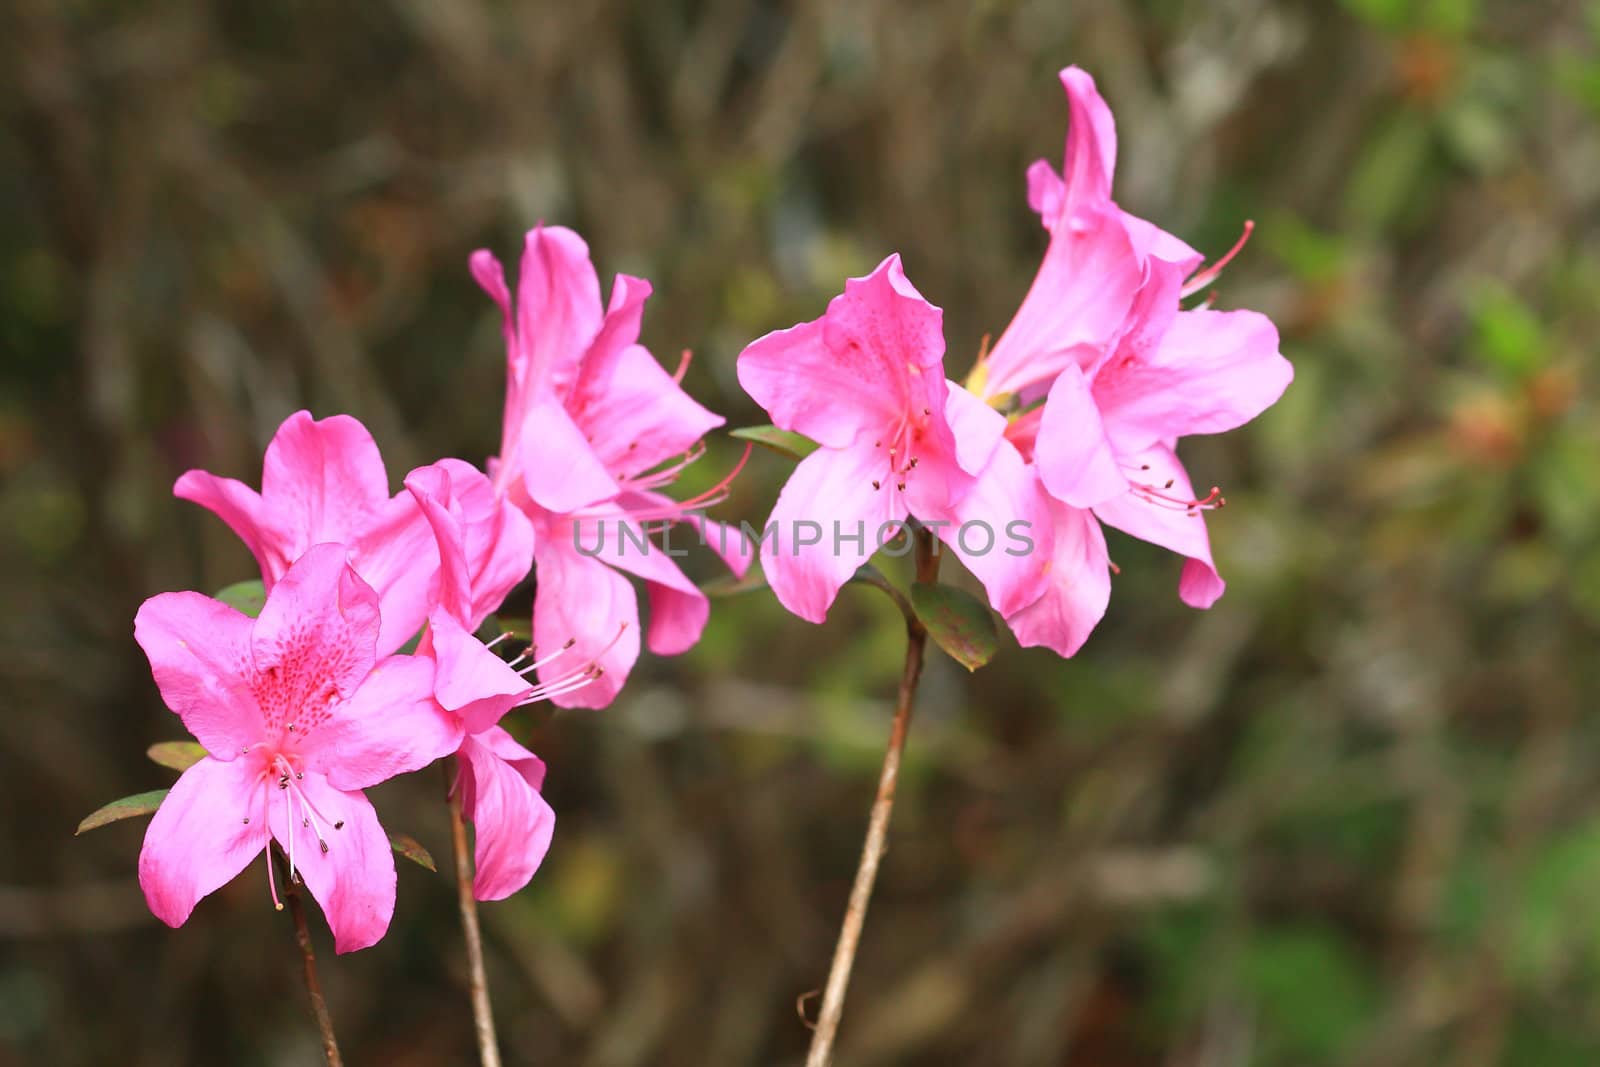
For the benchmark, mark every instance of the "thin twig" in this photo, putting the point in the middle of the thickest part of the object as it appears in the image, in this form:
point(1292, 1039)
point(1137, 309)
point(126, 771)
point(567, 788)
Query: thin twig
point(482, 1012)
point(844, 953)
point(319, 1003)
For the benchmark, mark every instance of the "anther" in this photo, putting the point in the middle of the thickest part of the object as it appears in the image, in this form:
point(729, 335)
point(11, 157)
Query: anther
point(900, 486)
point(324, 845)
point(876, 484)
point(247, 820)
point(339, 825)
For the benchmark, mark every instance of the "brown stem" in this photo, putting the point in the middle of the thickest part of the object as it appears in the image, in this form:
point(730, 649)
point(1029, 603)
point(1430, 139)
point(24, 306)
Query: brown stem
point(319, 1003)
point(844, 953)
point(482, 1012)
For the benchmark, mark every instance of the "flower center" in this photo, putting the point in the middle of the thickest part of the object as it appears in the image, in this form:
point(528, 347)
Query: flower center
point(282, 773)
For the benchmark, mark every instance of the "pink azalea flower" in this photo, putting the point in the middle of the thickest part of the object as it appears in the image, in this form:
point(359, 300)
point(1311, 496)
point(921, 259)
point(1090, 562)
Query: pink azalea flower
point(1119, 395)
point(299, 714)
point(593, 429)
point(324, 482)
point(866, 382)
point(485, 549)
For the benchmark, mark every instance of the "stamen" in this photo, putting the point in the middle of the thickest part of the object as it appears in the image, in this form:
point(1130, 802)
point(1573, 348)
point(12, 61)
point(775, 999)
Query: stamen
point(497, 640)
point(683, 366)
point(1202, 278)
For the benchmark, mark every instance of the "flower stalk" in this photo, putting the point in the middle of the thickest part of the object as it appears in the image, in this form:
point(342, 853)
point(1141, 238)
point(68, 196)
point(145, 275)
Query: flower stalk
point(855, 916)
point(477, 976)
point(319, 1003)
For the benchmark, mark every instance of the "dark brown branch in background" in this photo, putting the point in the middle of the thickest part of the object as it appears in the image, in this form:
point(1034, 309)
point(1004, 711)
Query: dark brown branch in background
point(855, 916)
point(482, 1011)
point(319, 1003)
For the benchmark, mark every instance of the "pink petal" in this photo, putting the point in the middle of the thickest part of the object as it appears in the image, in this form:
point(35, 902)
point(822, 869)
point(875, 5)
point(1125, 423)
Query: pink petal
point(199, 652)
point(559, 468)
point(1151, 241)
point(390, 725)
point(1075, 308)
point(976, 427)
point(246, 515)
point(1046, 191)
point(323, 479)
point(558, 311)
point(470, 680)
point(583, 600)
point(1079, 587)
point(640, 417)
point(485, 545)
point(1211, 372)
point(863, 366)
point(619, 331)
point(1091, 151)
point(1145, 515)
point(678, 610)
point(491, 277)
point(319, 627)
point(829, 496)
point(512, 825)
point(1001, 531)
point(354, 880)
point(397, 555)
point(1075, 460)
point(199, 840)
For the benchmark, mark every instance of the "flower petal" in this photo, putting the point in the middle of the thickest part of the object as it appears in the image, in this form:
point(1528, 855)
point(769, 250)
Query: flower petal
point(639, 416)
point(1075, 308)
point(830, 497)
point(470, 680)
point(390, 725)
point(1075, 460)
point(858, 369)
point(558, 312)
point(582, 600)
point(199, 839)
point(1001, 530)
point(1091, 151)
point(318, 627)
point(559, 468)
point(1161, 521)
point(397, 555)
point(322, 480)
point(246, 515)
point(1046, 191)
point(1079, 587)
point(199, 652)
point(1212, 371)
point(354, 880)
point(511, 822)
point(678, 609)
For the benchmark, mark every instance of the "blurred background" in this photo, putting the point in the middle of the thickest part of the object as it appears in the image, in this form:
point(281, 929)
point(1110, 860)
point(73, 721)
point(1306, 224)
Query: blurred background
point(1351, 815)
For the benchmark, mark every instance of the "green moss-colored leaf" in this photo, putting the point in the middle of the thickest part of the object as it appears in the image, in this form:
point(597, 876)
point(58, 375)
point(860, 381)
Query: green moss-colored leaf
point(126, 808)
point(179, 755)
point(958, 621)
point(247, 597)
point(782, 442)
point(411, 849)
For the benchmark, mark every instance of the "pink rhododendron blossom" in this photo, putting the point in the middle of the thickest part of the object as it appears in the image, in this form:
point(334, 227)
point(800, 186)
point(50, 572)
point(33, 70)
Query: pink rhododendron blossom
point(594, 428)
point(1116, 400)
point(866, 382)
point(485, 549)
point(323, 481)
point(299, 714)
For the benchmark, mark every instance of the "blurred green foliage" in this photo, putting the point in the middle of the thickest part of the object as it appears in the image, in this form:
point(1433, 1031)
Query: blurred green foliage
point(1348, 816)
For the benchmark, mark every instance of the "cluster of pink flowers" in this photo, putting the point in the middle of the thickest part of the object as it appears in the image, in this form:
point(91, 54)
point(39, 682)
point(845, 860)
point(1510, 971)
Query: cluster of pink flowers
point(306, 705)
point(1070, 422)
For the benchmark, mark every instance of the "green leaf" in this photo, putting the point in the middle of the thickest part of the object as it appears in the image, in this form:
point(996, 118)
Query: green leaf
point(728, 585)
point(412, 849)
point(958, 621)
point(179, 755)
point(126, 808)
point(782, 442)
point(247, 597)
